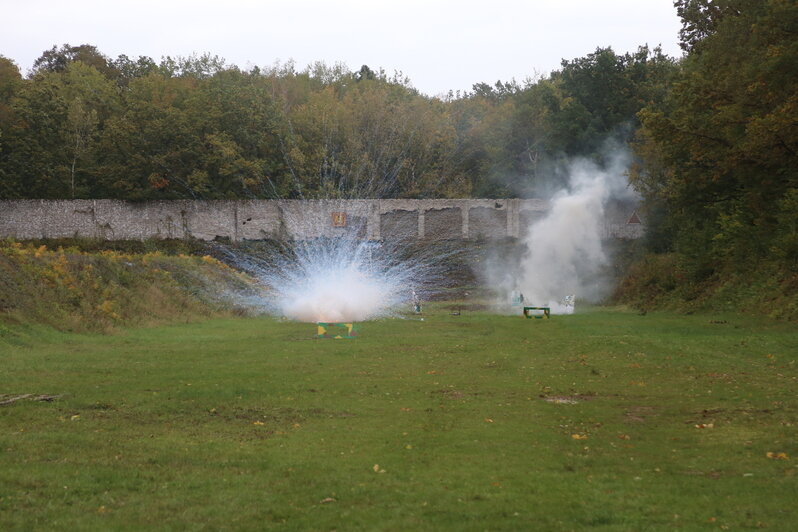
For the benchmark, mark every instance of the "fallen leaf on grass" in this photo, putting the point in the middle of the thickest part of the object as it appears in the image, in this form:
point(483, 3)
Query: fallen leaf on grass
point(75, 417)
point(705, 426)
point(259, 423)
point(488, 420)
point(624, 437)
point(377, 469)
point(561, 400)
point(777, 456)
point(579, 436)
point(328, 499)
point(405, 409)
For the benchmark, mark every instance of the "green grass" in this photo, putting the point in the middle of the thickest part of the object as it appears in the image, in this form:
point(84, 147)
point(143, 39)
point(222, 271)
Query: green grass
point(472, 422)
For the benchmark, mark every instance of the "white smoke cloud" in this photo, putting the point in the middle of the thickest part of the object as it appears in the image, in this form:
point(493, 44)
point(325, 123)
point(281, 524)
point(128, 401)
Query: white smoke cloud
point(564, 252)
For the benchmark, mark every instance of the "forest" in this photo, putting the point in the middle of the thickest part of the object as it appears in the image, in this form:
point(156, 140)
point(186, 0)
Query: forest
point(712, 137)
point(81, 125)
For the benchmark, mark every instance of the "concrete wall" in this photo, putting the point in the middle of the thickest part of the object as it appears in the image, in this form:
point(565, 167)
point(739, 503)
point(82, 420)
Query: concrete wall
point(300, 219)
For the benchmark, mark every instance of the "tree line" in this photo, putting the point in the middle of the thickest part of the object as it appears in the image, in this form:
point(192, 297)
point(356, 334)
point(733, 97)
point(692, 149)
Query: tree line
point(83, 125)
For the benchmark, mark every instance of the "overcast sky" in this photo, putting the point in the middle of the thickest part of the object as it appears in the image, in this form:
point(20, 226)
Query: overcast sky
point(438, 44)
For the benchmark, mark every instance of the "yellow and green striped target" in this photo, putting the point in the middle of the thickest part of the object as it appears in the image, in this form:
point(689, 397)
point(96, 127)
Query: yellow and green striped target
point(345, 330)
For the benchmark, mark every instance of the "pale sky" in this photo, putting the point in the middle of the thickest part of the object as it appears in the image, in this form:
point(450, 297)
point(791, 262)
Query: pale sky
point(438, 44)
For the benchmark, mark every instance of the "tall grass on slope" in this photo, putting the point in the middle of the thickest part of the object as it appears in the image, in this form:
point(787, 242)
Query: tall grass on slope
point(74, 290)
point(668, 281)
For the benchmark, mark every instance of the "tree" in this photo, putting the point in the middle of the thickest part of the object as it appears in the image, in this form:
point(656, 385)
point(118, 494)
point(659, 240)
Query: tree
point(10, 79)
point(720, 155)
point(608, 90)
point(82, 122)
point(149, 150)
point(700, 19)
point(56, 59)
point(194, 66)
point(90, 100)
point(129, 69)
point(10, 84)
point(365, 73)
point(33, 144)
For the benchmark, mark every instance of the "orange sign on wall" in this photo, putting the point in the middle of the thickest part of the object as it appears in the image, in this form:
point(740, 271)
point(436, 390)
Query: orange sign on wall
point(339, 219)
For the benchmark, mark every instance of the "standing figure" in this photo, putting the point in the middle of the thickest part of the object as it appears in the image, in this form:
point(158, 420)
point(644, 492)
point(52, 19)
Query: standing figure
point(416, 303)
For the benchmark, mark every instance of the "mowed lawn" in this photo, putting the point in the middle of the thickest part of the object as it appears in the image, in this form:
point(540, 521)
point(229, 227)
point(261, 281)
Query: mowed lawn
point(605, 420)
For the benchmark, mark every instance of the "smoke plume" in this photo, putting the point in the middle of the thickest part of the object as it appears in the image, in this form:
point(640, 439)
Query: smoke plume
point(563, 252)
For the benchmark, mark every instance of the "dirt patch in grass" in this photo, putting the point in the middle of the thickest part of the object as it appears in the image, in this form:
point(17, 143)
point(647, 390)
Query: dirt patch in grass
point(640, 414)
point(452, 394)
point(277, 415)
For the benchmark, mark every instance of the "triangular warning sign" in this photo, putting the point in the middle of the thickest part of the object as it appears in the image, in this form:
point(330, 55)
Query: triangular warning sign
point(634, 219)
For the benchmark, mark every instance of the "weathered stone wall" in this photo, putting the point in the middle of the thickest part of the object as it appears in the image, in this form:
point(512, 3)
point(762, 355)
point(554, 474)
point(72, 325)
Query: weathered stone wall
point(266, 219)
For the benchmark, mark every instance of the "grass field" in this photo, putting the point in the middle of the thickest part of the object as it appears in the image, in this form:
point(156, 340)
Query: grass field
point(605, 420)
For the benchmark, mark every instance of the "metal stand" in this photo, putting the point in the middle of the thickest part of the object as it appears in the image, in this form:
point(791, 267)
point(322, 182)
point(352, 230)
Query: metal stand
point(529, 315)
